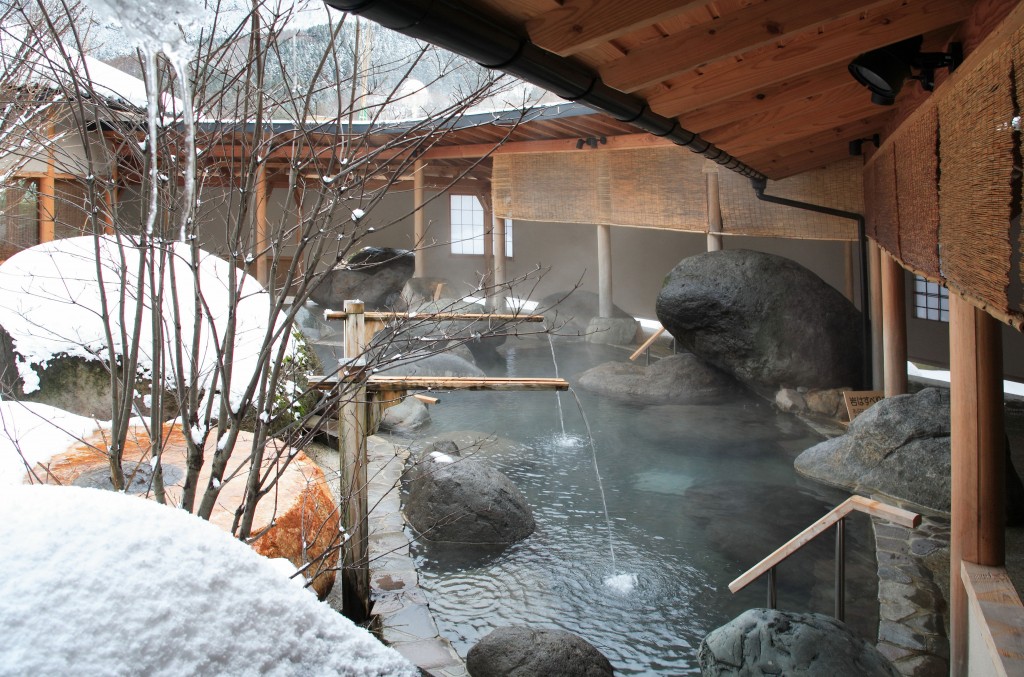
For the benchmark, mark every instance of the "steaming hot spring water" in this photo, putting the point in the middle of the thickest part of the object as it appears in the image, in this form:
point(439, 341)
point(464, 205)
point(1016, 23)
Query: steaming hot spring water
point(695, 495)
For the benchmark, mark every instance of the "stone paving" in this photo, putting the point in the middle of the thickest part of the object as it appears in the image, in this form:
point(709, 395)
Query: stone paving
point(912, 607)
point(401, 607)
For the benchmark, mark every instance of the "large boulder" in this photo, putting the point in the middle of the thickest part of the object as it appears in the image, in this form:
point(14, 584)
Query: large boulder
point(764, 319)
point(577, 314)
point(519, 651)
point(404, 417)
point(375, 276)
point(679, 379)
point(773, 642)
point(462, 500)
point(441, 365)
point(900, 447)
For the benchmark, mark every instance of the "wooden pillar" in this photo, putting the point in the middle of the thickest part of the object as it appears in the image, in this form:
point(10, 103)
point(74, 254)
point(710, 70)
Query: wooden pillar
point(978, 457)
point(485, 202)
point(848, 271)
point(499, 262)
point(262, 264)
point(875, 280)
point(715, 243)
point(418, 218)
point(894, 327)
point(47, 203)
point(353, 421)
point(604, 270)
point(112, 197)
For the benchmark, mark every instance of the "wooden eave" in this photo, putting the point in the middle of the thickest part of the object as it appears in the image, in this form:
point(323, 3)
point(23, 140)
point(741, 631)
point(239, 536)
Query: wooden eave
point(765, 81)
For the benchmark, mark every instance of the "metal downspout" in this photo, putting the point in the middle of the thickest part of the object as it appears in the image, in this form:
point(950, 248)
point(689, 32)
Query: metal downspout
point(865, 295)
point(462, 29)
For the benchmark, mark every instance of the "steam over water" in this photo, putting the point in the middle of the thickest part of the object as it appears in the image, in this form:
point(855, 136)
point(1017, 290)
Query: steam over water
point(695, 494)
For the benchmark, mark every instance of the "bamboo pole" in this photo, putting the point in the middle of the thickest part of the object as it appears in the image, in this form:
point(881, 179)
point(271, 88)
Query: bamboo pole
point(978, 458)
point(384, 316)
point(647, 344)
point(352, 448)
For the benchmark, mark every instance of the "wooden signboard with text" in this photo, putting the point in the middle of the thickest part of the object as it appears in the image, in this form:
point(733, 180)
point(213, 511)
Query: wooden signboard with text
point(859, 400)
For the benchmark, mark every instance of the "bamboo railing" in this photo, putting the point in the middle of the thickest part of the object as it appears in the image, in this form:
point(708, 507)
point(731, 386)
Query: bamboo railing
point(834, 517)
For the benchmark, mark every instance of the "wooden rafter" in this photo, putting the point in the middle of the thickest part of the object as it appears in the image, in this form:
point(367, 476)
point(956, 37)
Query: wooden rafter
point(805, 53)
point(727, 36)
point(583, 24)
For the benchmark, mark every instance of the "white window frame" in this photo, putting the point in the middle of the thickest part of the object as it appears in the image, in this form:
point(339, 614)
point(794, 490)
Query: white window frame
point(467, 226)
point(931, 300)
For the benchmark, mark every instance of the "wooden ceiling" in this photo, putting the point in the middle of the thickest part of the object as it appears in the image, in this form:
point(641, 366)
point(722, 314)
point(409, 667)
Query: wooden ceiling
point(765, 80)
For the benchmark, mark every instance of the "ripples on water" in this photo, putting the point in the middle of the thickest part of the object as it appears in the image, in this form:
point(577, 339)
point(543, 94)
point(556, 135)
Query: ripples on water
point(696, 495)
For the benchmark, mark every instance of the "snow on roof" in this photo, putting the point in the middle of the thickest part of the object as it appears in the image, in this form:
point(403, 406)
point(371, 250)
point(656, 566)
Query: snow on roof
point(100, 583)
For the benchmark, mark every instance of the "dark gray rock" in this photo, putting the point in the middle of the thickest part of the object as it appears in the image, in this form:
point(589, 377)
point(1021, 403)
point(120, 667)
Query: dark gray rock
point(406, 416)
point(434, 365)
point(374, 276)
point(73, 384)
point(899, 447)
point(765, 319)
point(463, 500)
point(519, 651)
point(576, 314)
point(423, 289)
point(773, 642)
point(679, 379)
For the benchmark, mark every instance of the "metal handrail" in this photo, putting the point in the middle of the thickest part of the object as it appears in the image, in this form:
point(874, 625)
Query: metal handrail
point(837, 517)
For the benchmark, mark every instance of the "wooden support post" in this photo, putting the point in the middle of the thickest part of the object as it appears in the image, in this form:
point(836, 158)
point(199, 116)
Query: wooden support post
point(419, 229)
point(848, 271)
point(715, 243)
point(894, 327)
point(978, 458)
point(875, 280)
point(262, 265)
point(352, 448)
point(47, 204)
point(485, 202)
point(604, 270)
point(499, 262)
point(112, 197)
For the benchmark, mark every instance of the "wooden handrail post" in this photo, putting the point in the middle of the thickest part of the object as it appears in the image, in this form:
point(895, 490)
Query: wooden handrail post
point(352, 434)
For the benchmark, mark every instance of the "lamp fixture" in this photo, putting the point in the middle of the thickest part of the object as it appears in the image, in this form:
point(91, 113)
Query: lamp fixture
point(857, 145)
point(591, 141)
point(884, 70)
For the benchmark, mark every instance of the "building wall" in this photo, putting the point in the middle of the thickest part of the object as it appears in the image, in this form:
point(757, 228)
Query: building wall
point(928, 341)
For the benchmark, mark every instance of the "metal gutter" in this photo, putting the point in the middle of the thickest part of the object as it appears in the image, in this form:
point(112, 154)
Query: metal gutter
point(462, 29)
point(865, 294)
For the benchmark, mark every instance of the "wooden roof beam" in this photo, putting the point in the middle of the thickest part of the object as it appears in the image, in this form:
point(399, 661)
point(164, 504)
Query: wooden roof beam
point(729, 35)
point(620, 142)
point(785, 124)
point(581, 24)
point(890, 23)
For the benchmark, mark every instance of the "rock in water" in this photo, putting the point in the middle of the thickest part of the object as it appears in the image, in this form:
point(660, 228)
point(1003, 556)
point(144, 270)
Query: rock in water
point(405, 416)
point(463, 500)
point(375, 276)
point(679, 379)
point(577, 314)
point(519, 651)
point(773, 642)
point(764, 319)
point(899, 447)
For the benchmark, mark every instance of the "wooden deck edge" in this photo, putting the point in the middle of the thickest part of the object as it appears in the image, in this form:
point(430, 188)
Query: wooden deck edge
point(996, 613)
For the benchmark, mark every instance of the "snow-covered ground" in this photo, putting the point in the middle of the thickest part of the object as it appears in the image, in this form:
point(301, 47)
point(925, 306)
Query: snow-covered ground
point(99, 583)
point(31, 433)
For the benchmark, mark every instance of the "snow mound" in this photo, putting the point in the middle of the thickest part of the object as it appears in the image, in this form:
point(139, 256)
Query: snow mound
point(50, 304)
point(100, 583)
point(31, 433)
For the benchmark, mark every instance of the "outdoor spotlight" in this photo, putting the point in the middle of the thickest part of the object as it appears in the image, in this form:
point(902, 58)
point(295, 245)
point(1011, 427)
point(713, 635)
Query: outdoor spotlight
point(884, 70)
point(857, 145)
